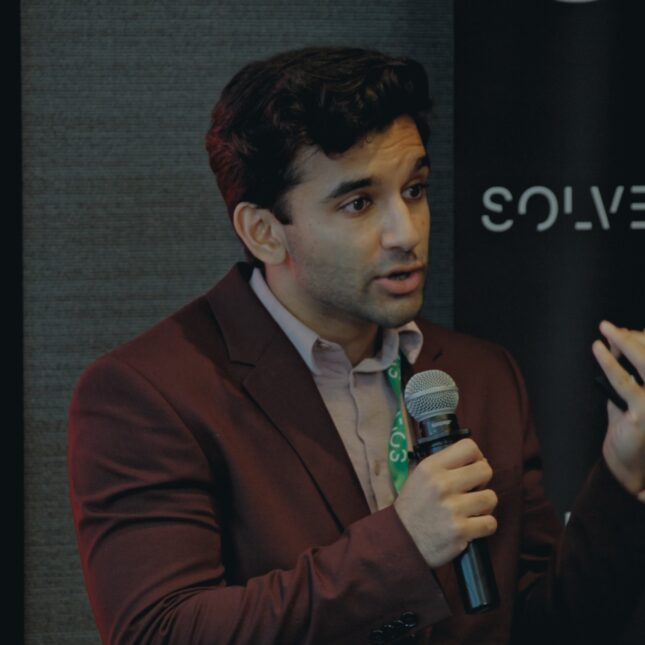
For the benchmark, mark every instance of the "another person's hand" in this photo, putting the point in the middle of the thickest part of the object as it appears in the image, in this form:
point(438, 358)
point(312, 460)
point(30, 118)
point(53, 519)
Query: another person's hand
point(439, 505)
point(624, 445)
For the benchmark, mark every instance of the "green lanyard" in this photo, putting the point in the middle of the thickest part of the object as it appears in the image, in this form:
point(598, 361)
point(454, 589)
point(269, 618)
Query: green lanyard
point(397, 455)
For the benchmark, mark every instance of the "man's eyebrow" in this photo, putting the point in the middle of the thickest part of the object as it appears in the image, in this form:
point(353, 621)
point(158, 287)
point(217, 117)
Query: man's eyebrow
point(348, 186)
point(354, 184)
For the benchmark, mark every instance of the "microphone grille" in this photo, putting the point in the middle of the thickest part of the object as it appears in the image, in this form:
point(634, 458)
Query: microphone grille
point(430, 393)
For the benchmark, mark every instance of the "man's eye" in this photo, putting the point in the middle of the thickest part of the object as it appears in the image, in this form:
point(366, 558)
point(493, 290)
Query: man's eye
point(357, 205)
point(416, 191)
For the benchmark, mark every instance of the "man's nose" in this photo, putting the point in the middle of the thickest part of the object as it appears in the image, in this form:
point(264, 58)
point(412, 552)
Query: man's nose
point(401, 227)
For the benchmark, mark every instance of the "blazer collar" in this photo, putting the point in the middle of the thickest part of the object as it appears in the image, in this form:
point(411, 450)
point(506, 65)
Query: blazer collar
point(280, 383)
point(247, 327)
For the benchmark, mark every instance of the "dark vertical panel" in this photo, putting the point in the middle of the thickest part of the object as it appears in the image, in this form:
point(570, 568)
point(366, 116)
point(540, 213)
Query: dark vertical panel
point(122, 220)
point(13, 471)
point(548, 95)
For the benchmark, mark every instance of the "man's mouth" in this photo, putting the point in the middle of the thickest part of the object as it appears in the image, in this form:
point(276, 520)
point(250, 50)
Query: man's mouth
point(402, 282)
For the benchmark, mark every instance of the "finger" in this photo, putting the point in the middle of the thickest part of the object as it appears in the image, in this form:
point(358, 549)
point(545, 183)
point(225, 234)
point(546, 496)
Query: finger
point(480, 502)
point(641, 496)
point(476, 527)
point(622, 382)
point(469, 477)
point(629, 342)
point(459, 454)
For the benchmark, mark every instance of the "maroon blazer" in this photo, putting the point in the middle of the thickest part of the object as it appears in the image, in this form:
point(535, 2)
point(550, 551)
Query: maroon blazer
point(214, 501)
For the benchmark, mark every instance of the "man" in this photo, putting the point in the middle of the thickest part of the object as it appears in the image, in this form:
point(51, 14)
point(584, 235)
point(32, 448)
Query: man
point(229, 468)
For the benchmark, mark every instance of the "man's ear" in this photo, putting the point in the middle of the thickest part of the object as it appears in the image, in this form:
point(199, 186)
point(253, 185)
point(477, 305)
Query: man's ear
point(261, 232)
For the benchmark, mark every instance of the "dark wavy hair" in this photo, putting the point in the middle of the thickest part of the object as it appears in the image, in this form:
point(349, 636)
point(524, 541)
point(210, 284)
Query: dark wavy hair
point(329, 97)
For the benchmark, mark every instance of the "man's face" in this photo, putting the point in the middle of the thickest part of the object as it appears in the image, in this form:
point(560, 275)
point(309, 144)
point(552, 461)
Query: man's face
point(357, 246)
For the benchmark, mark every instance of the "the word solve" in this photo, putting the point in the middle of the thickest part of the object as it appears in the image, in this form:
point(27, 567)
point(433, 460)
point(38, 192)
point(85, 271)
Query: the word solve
point(497, 199)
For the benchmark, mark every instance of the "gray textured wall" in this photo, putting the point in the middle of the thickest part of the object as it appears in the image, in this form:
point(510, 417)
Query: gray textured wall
point(122, 220)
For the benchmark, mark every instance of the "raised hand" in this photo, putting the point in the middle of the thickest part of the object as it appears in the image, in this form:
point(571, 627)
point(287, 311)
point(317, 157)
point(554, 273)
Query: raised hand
point(624, 444)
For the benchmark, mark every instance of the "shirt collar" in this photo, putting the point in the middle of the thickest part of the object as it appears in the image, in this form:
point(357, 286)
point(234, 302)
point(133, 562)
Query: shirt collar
point(406, 339)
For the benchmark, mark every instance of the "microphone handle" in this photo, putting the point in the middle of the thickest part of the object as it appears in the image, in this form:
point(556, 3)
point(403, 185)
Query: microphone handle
point(476, 578)
point(475, 575)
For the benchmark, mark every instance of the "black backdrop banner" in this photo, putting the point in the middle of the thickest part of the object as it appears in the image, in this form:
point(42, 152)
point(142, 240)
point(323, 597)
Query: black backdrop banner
point(550, 201)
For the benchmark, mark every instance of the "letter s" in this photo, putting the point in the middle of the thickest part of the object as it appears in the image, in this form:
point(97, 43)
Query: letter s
point(495, 207)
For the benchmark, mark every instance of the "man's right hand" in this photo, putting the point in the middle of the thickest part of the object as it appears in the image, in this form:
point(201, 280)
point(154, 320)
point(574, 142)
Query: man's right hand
point(439, 505)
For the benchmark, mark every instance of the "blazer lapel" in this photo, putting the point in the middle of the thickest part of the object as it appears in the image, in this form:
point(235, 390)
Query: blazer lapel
point(285, 390)
point(280, 383)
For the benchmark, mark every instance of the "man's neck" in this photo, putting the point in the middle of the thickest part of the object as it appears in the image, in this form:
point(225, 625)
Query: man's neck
point(359, 339)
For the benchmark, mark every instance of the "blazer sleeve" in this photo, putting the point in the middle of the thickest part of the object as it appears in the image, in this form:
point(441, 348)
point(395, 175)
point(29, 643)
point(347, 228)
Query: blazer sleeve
point(582, 584)
point(149, 524)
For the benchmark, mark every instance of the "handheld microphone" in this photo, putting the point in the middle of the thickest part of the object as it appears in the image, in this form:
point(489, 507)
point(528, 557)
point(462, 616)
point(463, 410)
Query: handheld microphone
point(431, 398)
